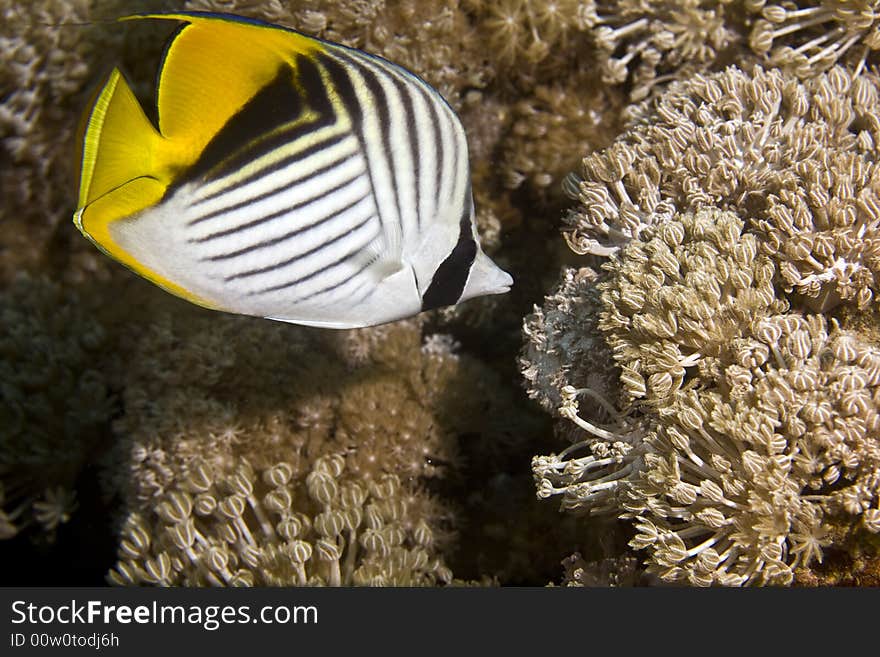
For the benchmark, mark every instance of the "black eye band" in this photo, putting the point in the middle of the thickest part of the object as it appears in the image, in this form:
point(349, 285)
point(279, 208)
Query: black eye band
point(451, 276)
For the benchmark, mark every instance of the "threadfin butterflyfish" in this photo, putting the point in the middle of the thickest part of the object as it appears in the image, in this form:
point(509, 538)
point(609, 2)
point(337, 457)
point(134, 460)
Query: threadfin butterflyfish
point(287, 177)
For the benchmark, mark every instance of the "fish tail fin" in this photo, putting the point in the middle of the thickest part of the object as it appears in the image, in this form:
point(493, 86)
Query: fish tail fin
point(121, 161)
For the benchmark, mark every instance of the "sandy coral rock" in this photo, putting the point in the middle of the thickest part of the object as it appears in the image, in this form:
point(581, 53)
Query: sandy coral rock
point(55, 402)
point(808, 37)
point(266, 527)
point(795, 160)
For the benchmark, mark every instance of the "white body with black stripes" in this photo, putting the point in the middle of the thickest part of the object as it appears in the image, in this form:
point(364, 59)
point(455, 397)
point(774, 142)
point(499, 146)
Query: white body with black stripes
point(337, 195)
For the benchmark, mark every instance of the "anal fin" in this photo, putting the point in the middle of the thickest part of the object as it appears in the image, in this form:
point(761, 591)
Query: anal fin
point(109, 213)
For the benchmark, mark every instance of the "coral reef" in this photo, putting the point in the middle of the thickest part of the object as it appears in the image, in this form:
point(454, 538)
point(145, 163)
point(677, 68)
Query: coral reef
point(378, 412)
point(42, 73)
point(678, 298)
point(644, 44)
point(731, 425)
point(744, 483)
point(614, 572)
point(638, 43)
point(266, 528)
point(200, 384)
point(529, 38)
point(546, 51)
point(546, 127)
point(808, 37)
point(55, 403)
point(563, 334)
point(795, 160)
point(748, 430)
point(847, 563)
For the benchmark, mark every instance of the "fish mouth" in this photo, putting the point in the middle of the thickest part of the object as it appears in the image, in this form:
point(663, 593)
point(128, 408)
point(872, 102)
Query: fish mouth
point(504, 283)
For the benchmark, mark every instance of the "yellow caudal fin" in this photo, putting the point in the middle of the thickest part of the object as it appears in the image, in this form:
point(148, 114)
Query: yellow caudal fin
point(120, 146)
point(125, 169)
point(212, 67)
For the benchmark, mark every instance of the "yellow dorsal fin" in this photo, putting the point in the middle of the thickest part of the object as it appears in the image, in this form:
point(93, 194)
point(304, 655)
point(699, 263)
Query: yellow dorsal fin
point(212, 67)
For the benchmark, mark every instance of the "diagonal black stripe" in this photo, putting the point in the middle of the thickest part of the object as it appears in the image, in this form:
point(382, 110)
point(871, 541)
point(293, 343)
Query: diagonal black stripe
point(383, 114)
point(348, 256)
point(270, 103)
point(439, 154)
point(270, 108)
point(286, 236)
point(344, 87)
point(330, 288)
point(304, 254)
point(404, 90)
point(282, 211)
point(280, 165)
point(451, 276)
point(263, 124)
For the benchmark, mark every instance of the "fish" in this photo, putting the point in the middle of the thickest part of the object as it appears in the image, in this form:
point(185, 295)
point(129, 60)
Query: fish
point(284, 177)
